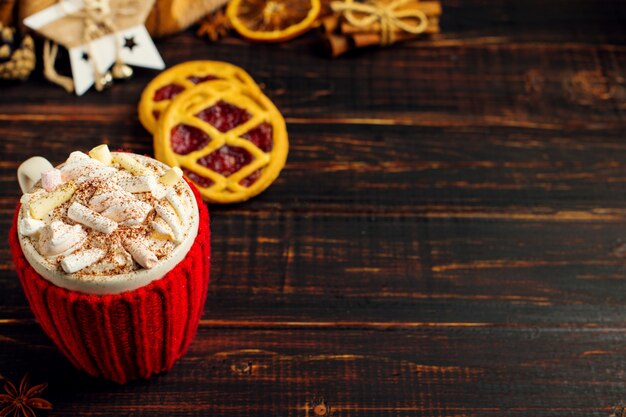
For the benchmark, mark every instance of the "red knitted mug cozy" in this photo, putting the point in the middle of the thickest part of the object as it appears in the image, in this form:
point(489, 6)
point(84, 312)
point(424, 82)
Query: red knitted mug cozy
point(124, 336)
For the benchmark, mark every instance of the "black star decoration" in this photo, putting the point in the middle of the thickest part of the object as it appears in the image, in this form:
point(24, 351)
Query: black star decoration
point(130, 43)
point(85, 56)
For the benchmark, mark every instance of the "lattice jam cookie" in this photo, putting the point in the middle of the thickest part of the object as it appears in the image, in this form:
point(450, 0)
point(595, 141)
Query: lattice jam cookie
point(158, 94)
point(229, 139)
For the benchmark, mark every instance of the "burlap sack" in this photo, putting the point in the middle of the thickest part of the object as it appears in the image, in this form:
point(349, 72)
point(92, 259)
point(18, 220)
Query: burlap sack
point(171, 16)
point(167, 16)
point(69, 31)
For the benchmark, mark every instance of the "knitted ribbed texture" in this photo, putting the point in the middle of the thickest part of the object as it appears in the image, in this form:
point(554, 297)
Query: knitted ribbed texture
point(124, 336)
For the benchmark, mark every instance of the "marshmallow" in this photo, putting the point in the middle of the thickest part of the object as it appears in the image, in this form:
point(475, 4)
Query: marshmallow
point(171, 177)
point(137, 184)
point(90, 218)
point(102, 201)
point(162, 230)
point(59, 238)
point(170, 218)
point(51, 179)
point(41, 206)
point(30, 227)
point(116, 213)
point(93, 172)
point(79, 167)
point(83, 168)
point(120, 206)
point(82, 259)
point(141, 254)
point(158, 191)
point(176, 203)
point(143, 184)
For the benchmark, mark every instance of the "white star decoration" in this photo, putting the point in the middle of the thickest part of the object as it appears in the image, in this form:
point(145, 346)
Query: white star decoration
point(138, 49)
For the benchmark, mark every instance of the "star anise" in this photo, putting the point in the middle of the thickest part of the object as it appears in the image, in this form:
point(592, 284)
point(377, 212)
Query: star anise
point(215, 26)
point(20, 403)
point(618, 411)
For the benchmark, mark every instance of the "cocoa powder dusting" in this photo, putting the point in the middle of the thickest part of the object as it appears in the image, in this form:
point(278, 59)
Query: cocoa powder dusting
point(117, 259)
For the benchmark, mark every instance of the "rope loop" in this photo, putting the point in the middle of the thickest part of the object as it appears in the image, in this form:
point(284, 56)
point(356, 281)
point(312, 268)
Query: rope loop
point(391, 17)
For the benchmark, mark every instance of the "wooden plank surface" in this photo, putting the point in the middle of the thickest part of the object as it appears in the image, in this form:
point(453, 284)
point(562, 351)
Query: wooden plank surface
point(447, 238)
point(448, 370)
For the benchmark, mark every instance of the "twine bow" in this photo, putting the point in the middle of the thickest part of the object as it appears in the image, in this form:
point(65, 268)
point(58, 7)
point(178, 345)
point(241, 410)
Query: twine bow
point(391, 17)
point(50, 51)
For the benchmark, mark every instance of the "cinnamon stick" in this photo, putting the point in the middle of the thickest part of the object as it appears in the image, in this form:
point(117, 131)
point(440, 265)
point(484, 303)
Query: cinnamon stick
point(340, 36)
point(330, 23)
point(337, 45)
point(362, 40)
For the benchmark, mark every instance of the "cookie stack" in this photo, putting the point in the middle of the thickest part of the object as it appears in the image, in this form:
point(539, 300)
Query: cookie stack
point(213, 121)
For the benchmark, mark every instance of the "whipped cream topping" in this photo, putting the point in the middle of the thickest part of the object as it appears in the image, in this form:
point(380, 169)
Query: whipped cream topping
point(59, 238)
point(107, 214)
point(30, 227)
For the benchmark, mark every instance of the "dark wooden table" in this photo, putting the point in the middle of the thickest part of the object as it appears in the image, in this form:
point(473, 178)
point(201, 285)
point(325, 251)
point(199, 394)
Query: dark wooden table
point(447, 238)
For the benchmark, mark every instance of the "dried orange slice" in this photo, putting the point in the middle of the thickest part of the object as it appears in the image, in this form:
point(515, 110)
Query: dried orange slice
point(272, 20)
point(229, 140)
point(163, 88)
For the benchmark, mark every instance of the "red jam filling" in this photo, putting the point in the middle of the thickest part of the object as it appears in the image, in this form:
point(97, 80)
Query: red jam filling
point(156, 114)
point(251, 179)
point(168, 92)
point(226, 160)
point(196, 79)
point(261, 136)
point(224, 116)
point(203, 182)
point(186, 139)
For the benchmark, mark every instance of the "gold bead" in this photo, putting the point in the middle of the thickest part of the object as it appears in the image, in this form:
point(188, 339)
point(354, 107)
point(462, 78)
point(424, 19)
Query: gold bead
point(27, 42)
point(122, 71)
point(5, 51)
point(7, 34)
point(104, 81)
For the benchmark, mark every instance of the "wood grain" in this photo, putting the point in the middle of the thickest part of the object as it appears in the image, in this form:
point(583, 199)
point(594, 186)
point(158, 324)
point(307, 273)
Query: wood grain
point(432, 372)
point(354, 270)
point(447, 238)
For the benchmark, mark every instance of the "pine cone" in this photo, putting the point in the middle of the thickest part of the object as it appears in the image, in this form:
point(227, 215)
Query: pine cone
point(17, 60)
